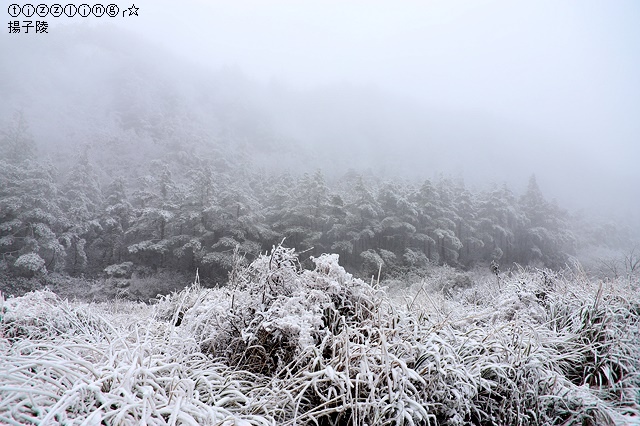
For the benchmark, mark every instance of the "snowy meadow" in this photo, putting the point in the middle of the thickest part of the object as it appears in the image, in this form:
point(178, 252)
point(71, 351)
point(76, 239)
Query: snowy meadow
point(284, 345)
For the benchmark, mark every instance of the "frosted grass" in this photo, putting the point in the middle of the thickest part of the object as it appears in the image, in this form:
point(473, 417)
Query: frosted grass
point(281, 345)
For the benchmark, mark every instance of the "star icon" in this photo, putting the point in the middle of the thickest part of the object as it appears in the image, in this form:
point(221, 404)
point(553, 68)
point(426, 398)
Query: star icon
point(133, 10)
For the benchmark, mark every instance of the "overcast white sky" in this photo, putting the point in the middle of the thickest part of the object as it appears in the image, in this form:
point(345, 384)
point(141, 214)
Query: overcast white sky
point(567, 66)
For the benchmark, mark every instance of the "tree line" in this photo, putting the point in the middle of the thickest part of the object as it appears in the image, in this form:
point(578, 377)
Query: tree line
point(189, 209)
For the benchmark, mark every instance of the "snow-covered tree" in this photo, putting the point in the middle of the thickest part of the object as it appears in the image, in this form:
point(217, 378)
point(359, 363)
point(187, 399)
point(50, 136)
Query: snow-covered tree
point(30, 216)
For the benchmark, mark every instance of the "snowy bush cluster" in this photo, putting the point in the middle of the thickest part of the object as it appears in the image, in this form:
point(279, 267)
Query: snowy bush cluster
point(283, 345)
point(30, 264)
point(119, 270)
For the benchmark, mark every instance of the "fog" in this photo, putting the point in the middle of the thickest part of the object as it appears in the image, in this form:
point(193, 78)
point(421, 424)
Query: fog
point(490, 91)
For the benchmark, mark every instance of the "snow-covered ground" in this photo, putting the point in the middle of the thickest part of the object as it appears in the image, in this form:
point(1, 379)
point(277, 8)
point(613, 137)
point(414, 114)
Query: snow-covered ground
point(285, 346)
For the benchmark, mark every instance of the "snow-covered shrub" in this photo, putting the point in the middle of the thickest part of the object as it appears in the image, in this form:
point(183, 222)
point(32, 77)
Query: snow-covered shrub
point(274, 312)
point(388, 257)
point(598, 340)
point(43, 315)
point(371, 262)
point(29, 265)
point(415, 258)
point(445, 279)
point(120, 270)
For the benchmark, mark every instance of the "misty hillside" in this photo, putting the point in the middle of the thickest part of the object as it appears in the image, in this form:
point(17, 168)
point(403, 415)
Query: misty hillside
point(97, 86)
point(118, 162)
